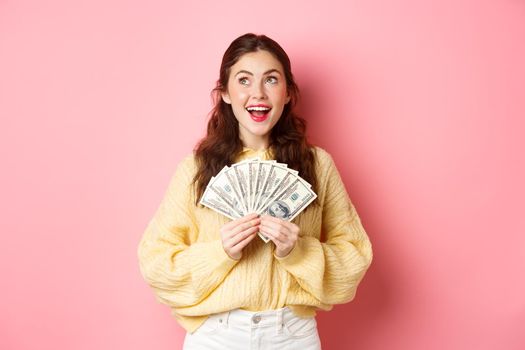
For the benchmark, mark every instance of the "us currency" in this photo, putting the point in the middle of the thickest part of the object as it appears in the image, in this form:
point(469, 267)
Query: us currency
point(241, 174)
point(214, 201)
point(232, 179)
point(252, 182)
point(291, 201)
point(222, 186)
point(278, 179)
point(263, 168)
point(262, 186)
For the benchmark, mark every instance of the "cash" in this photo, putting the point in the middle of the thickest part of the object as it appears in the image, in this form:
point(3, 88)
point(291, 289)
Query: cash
point(258, 186)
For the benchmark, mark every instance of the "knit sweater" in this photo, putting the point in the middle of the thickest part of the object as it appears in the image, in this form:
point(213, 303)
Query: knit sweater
point(182, 258)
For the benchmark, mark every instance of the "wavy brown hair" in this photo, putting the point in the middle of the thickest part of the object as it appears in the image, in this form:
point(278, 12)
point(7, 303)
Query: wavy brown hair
point(222, 143)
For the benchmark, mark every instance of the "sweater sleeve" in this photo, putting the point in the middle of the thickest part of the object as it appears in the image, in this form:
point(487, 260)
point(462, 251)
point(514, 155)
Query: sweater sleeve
point(181, 272)
point(331, 270)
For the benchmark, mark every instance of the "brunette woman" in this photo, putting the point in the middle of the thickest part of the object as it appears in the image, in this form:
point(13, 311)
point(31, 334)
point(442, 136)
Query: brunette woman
point(225, 286)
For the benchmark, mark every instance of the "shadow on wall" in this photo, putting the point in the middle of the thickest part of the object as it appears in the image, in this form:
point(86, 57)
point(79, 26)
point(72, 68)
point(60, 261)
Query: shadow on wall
point(354, 325)
point(326, 102)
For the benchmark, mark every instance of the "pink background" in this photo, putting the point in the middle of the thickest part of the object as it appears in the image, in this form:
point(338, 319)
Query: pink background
point(421, 103)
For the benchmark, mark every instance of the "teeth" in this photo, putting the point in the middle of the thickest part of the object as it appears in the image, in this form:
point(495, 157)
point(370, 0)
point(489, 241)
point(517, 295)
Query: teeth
point(258, 109)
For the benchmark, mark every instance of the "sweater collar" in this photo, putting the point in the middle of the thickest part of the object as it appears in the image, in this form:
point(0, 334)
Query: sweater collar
point(247, 153)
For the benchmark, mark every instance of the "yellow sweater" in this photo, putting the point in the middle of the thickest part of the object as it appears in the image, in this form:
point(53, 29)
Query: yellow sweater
point(182, 258)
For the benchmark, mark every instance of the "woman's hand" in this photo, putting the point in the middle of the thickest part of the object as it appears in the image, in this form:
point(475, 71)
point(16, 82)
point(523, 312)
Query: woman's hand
point(238, 233)
point(283, 233)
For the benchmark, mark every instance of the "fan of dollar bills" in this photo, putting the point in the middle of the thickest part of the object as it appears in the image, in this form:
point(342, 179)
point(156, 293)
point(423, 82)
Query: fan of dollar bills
point(258, 186)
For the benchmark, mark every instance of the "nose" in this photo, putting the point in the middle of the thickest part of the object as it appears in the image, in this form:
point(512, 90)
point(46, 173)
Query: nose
point(258, 91)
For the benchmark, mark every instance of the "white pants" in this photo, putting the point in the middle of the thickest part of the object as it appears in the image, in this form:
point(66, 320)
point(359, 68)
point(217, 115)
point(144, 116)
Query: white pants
point(245, 330)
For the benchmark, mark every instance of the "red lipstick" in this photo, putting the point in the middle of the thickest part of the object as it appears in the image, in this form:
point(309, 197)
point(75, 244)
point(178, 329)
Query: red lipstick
point(259, 112)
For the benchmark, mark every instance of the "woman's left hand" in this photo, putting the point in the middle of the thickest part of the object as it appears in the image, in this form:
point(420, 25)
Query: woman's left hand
point(283, 233)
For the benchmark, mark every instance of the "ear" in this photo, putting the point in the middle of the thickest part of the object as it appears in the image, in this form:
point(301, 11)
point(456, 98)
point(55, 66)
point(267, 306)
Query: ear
point(288, 98)
point(226, 97)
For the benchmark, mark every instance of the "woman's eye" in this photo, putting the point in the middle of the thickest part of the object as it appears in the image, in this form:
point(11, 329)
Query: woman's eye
point(244, 81)
point(271, 80)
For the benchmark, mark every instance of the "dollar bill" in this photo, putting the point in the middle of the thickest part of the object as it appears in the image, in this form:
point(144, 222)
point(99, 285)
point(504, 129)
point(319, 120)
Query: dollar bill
point(214, 201)
point(278, 178)
point(291, 201)
point(252, 182)
point(222, 186)
point(240, 170)
point(232, 180)
point(263, 169)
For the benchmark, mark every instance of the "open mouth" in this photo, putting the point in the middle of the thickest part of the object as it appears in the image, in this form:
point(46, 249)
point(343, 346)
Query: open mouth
point(258, 113)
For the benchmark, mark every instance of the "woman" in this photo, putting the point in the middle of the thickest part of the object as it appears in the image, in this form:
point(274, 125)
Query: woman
point(228, 289)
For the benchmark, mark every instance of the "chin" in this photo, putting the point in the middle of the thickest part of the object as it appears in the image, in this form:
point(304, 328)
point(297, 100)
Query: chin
point(259, 132)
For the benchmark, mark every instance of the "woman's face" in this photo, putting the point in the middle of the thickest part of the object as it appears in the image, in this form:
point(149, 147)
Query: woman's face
point(257, 93)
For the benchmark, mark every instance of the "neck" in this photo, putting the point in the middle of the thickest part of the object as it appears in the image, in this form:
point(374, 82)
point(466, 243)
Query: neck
point(255, 143)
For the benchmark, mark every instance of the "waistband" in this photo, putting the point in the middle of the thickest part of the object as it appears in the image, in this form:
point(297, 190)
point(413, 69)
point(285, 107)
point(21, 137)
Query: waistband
point(269, 318)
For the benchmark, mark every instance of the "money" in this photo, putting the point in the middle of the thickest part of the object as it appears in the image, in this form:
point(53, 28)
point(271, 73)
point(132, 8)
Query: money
point(291, 201)
point(222, 187)
point(213, 200)
point(258, 186)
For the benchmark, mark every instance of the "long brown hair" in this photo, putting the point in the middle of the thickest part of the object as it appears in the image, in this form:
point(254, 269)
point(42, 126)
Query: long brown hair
point(222, 144)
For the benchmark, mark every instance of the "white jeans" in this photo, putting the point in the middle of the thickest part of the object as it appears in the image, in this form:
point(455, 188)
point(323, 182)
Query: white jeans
point(245, 330)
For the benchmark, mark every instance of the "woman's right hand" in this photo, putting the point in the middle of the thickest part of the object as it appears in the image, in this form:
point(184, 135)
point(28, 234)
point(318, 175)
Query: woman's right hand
point(238, 233)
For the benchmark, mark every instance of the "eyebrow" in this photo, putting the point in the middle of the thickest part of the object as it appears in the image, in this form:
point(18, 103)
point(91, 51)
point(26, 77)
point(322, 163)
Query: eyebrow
point(265, 73)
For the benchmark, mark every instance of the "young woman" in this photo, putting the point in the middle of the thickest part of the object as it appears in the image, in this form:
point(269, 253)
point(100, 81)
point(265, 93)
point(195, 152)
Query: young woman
point(226, 287)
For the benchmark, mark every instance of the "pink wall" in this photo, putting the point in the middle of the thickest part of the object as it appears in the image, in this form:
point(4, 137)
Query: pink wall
point(421, 103)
